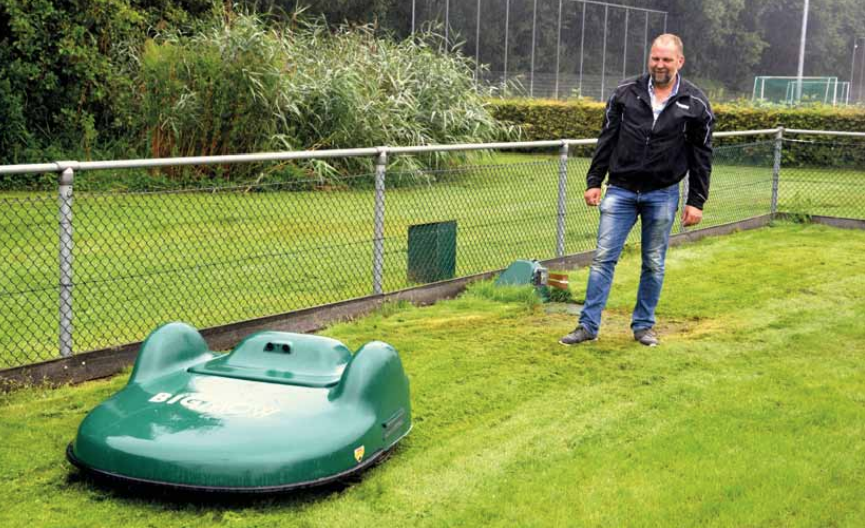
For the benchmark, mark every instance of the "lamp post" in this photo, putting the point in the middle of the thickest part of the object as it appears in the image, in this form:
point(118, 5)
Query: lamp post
point(853, 70)
point(802, 53)
point(862, 74)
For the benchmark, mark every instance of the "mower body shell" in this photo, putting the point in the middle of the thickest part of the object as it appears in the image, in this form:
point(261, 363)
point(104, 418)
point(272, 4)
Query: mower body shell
point(281, 411)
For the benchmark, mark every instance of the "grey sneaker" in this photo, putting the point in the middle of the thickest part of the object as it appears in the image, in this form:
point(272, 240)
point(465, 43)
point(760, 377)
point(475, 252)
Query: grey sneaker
point(579, 335)
point(646, 337)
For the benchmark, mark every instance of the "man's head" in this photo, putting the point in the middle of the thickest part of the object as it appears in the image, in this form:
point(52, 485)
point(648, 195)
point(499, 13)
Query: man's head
point(666, 59)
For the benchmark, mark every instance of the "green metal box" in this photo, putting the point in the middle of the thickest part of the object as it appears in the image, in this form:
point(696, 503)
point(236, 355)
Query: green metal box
point(432, 251)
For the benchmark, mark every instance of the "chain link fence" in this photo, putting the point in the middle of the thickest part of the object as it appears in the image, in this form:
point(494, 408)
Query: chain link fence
point(98, 269)
point(822, 176)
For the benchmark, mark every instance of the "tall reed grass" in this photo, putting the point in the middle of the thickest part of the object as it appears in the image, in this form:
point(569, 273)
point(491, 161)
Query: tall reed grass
point(243, 85)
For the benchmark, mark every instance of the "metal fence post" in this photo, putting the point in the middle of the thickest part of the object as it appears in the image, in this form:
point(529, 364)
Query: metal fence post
point(378, 223)
point(776, 171)
point(65, 260)
point(560, 218)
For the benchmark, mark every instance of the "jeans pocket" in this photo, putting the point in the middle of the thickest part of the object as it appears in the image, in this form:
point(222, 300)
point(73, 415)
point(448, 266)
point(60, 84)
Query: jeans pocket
point(674, 198)
point(608, 198)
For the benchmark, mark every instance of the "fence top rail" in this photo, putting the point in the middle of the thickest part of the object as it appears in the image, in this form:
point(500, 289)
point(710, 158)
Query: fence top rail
point(736, 133)
point(768, 77)
point(620, 6)
point(824, 132)
point(60, 166)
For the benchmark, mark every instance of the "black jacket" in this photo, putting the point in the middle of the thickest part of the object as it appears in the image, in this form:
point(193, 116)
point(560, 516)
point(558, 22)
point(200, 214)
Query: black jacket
point(643, 157)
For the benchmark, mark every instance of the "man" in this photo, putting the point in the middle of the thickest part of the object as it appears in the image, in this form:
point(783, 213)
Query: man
point(657, 129)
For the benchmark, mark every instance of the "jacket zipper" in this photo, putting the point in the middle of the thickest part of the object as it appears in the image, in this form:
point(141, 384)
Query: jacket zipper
point(646, 142)
point(671, 101)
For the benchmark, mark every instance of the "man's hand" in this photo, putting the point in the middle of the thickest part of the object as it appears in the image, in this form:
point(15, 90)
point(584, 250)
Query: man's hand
point(593, 196)
point(691, 216)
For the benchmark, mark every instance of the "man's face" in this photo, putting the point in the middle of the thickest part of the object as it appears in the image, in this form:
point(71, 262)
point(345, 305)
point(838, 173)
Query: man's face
point(664, 62)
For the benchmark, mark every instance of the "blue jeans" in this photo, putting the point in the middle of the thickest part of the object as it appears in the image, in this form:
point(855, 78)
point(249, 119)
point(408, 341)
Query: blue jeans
point(619, 211)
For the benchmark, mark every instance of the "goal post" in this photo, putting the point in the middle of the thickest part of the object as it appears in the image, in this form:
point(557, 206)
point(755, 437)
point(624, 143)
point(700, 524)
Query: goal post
point(783, 89)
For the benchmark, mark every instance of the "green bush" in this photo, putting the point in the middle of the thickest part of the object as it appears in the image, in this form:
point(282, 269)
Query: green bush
point(59, 71)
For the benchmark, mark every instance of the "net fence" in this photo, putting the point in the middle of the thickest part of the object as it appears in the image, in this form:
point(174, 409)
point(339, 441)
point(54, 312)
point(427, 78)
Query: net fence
point(545, 48)
point(224, 253)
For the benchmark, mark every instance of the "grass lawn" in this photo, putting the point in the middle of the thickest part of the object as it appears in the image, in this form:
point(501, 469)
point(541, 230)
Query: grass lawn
point(751, 413)
point(213, 258)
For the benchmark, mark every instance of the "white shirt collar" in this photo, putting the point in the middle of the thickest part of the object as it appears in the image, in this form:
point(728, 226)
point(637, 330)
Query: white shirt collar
point(658, 106)
point(675, 87)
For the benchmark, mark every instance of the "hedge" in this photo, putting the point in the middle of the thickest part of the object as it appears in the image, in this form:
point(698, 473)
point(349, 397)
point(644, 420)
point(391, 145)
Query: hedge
point(548, 119)
point(540, 119)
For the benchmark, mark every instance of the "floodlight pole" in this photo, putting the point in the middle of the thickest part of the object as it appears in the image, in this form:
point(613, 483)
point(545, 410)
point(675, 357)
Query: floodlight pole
point(558, 48)
point(802, 53)
point(507, 28)
point(532, 71)
point(447, 24)
point(625, 46)
point(861, 76)
point(646, 44)
point(853, 63)
point(853, 69)
point(477, 42)
point(604, 53)
point(582, 44)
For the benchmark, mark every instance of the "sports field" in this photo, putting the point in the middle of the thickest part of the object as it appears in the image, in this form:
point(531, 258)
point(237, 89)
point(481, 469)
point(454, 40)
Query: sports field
point(751, 413)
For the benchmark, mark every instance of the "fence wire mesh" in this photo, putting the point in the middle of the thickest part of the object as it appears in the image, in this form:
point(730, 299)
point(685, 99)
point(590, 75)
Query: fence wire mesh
point(821, 177)
point(29, 282)
point(741, 185)
point(216, 256)
point(228, 253)
point(498, 211)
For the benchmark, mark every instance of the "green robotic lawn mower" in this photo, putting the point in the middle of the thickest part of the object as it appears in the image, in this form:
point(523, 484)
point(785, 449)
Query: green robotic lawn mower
point(281, 411)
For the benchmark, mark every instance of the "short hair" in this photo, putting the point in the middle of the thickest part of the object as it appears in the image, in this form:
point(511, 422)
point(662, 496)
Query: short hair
point(667, 39)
